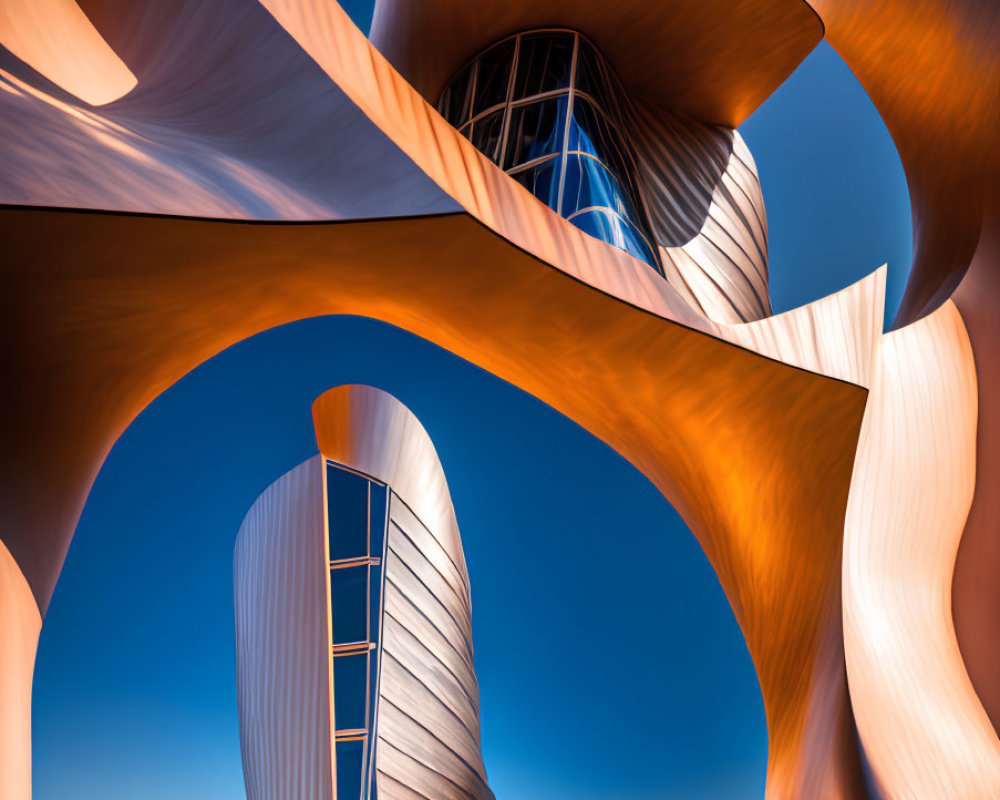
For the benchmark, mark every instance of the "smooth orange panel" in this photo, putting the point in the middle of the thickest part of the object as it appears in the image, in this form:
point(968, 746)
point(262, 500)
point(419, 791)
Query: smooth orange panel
point(56, 38)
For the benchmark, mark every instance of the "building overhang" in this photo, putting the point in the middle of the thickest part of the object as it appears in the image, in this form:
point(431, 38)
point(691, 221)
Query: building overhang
point(715, 60)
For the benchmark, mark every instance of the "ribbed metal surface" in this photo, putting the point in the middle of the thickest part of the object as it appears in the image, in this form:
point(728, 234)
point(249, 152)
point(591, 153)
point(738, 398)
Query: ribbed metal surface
point(706, 210)
point(282, 640)
point(428, 721)
point(922, 725)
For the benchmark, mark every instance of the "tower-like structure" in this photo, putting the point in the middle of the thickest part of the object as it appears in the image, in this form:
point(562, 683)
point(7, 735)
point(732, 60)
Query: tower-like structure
point(353, 617)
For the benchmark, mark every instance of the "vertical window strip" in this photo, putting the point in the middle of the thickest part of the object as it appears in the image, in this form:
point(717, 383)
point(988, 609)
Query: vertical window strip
point(569, 122)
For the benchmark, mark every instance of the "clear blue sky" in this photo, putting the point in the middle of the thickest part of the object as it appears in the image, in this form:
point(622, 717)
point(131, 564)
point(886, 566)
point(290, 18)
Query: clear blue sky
point(610, 665)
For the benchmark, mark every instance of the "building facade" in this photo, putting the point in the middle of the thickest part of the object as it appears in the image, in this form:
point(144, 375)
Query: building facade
point(840, 479)
point(353, 615)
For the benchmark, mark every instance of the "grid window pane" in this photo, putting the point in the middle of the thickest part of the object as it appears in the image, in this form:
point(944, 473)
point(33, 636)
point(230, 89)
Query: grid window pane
point(543, 63)
point(611, 228)
point(565, 125)
point(457, 98)
point(347, 505)
point(542, 181)
point(493, 77)
point(535, 130)
point(349, 599)
point(588, 184)
point(379, 496)
point(594, 78)
point(350, 691)
point(485, 134)
point(350, 759)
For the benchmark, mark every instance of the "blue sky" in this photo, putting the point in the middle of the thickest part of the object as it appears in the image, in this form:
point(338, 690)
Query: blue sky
point(610, 665)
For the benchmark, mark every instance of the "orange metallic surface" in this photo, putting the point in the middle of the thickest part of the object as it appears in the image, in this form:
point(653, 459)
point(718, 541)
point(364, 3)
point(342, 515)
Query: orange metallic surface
point(56, 38)
point(715, 60)
point(20, 624)
point(101, 313)
point(932, 70)
point(111, 310)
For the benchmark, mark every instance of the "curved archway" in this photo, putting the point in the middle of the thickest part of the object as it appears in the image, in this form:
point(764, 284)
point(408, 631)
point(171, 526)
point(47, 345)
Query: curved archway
point(242, 417)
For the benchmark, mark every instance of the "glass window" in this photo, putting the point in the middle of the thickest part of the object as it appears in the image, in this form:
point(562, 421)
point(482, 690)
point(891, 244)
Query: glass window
point(532, 130)
point(535, 130)
point(588, 184)
point(347, 505)
point(457, 98)
point(349, 601)
point(594, 78)
point(542, 181)
point(378, 500)
point(591, 132)
point(609, 227)
point(350, 691)
point(493, 77)
point(485, 134)
point(350, 760)
point(543, 63)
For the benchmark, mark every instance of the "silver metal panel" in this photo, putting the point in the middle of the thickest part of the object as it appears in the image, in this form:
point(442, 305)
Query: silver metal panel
point(282, 641)
point(428, 725)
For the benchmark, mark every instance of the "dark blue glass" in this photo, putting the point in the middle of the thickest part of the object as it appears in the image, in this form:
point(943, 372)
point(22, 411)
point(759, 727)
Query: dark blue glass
point(594, 77)
point(588, 185)
point(562, 106)
point(611, 228)
point(347, 505)
point(350, 761)
point(493, 77)
point(542, 181)
point(350, 691)
point(535, 130)
point(543, 63)
point(485, 134)
point(377, 518)
point(349, 600)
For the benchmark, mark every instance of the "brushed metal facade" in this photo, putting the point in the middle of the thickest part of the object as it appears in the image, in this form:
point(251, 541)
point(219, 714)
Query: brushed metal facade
point(283, 641)
point(425, 721)
point(428, 718)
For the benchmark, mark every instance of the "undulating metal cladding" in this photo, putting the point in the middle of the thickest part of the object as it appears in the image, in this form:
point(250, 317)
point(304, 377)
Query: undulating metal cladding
point(549, 110)
point(101, 313)
point(422, 714)
point(933, 72)
point(283, 640)
point(924, 730)
point(707, 213)
point(20, 624)
point(428, 724)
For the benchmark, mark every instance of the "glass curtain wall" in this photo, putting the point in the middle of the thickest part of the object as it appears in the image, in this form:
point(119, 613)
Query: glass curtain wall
point(544, 106)
point(356, 515)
